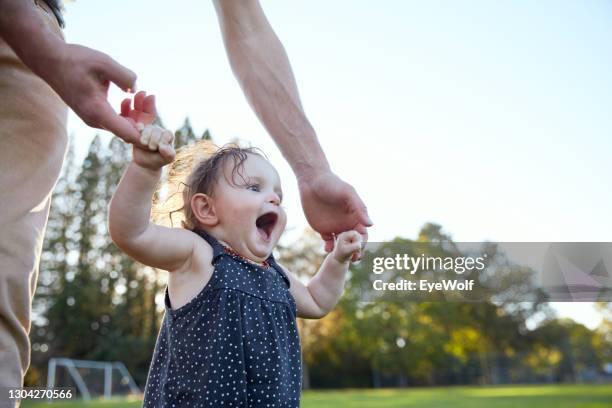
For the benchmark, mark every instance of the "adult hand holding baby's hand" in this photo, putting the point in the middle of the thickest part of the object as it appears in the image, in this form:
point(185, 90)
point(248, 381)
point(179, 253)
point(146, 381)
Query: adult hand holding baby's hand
point(160, 143)
point(155, 148)
point(331, 205)
point(347, 245)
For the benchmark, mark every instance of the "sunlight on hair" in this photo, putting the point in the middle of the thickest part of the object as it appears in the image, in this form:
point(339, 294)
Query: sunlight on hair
point(188, 169)
point(168, 203)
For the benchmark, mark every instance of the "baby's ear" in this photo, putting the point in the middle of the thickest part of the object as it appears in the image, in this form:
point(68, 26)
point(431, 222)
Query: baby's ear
point(204, 210)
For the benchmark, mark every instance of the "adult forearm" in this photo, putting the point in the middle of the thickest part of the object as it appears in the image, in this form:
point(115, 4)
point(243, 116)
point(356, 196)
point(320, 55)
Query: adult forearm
point(327, 285)
point(22, 27)
point(261, 66)
point(130, 207)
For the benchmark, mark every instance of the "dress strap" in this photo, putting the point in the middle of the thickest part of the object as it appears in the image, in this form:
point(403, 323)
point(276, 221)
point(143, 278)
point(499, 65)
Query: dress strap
point(218, 248)
point(278, 269)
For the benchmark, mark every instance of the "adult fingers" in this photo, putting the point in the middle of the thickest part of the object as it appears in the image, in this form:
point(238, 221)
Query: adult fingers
point(329, 242)
point(362, 230)
point(108, 119)
point(123, 77)
point(361, 210)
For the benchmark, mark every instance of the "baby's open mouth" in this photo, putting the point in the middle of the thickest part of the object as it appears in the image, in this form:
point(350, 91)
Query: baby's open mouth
point(265, 224)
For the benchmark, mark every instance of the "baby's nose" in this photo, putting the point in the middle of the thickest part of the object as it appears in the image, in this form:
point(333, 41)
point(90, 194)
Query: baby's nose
point(274, 199)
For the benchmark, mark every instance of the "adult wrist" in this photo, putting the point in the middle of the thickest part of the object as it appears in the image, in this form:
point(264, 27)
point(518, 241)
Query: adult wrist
point(36, 45)
point(307, 171)
point(47, 61)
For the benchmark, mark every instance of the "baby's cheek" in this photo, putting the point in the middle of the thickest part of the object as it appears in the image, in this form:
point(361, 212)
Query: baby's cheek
point(283, 220)
point(239, 217)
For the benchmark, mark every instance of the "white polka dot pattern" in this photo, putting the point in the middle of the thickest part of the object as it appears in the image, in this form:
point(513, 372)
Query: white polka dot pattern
point(236, 344)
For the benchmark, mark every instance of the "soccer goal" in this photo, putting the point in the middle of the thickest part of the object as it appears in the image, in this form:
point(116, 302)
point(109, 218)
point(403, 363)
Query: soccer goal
point(91, 378)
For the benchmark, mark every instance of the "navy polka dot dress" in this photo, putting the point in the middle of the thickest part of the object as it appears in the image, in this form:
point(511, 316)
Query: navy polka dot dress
point(236, 344)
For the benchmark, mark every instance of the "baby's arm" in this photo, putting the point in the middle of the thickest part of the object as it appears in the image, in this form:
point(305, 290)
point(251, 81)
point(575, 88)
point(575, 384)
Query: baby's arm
point(324, 290)
point(130, 208)
point(131, 229)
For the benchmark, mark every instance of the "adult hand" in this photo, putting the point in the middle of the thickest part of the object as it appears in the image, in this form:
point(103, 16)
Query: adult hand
point(81, 77)
point(332, 206)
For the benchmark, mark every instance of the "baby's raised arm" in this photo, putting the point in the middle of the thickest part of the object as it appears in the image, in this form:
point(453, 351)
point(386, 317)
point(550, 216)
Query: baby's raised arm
point(324, 290)
point(130, 208)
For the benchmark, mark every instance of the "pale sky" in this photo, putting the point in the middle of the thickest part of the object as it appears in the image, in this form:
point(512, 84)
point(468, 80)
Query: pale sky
point(490, 118)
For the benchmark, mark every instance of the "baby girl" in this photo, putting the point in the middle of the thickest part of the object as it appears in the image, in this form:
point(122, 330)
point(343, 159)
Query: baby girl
point(229, 336)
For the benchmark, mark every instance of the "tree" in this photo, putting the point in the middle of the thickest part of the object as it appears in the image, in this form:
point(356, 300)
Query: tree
point(93, 301)
point(186, 135)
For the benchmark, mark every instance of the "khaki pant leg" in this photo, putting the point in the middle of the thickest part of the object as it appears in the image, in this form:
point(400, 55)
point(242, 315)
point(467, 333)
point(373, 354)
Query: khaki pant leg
point(33, 144)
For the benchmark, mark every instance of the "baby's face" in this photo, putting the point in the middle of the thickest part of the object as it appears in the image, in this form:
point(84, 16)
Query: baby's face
point(251, 219)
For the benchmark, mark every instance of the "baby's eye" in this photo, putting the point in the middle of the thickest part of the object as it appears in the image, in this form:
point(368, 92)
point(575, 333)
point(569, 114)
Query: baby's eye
point(253, 187)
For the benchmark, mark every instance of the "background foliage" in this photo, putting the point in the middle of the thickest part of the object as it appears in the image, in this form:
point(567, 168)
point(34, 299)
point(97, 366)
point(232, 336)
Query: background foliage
point(95, 303)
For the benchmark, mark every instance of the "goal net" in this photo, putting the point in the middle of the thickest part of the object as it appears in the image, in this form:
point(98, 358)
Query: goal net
point(92, 379)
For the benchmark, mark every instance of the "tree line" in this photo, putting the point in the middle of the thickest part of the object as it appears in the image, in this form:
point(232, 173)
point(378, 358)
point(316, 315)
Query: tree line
point(95, 303)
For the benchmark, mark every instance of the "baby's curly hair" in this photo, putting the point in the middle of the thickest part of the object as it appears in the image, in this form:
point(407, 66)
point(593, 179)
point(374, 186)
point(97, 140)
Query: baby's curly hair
point(196, 169)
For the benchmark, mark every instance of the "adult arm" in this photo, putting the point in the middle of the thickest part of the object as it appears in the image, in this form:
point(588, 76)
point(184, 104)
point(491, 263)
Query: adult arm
point(262, 69)
point(261, 66)
point(80, 75)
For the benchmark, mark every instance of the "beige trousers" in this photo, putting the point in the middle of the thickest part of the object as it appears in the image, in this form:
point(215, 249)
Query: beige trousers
point(33, 143)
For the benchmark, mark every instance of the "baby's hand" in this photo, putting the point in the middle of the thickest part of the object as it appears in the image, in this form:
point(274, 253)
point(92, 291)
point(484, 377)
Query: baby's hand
point(347, 245)
point(157, 147)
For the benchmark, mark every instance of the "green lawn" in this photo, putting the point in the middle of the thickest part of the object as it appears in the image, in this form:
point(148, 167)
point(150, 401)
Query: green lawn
point(537, 396)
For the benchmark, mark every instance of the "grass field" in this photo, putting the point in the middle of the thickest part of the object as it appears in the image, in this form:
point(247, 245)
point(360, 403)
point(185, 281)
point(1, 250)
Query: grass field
point(538, 396)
